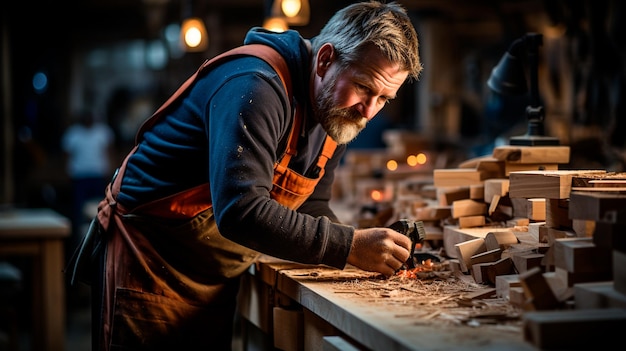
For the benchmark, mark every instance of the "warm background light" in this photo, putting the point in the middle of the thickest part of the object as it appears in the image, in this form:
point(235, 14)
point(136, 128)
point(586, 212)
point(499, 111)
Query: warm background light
point(194, 35)
point(275, 24)
point(392, 165)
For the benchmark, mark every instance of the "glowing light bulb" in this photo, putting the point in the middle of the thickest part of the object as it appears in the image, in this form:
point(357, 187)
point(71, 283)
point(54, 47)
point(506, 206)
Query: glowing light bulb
point(291, 7)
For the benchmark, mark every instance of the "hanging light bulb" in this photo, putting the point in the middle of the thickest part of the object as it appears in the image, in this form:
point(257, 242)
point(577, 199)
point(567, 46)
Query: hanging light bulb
point(291, 7)
point(295, 12)
point(194, 36)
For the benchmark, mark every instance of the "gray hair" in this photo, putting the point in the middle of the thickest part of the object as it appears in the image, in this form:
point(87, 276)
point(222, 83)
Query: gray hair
point(386, 26)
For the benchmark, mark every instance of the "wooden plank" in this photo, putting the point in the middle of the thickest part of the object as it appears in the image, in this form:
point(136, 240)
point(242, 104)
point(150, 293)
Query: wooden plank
point(468, 207)
point(516, 167)
point(457, 177)
point(537, 209)
point(579, 255)
point(546, 184)
point(288, 329)
point(500, 240)
point(598, 295)
point(532, 154)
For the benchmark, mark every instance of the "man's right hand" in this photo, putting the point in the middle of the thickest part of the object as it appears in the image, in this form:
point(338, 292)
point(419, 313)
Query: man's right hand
point(382, 250)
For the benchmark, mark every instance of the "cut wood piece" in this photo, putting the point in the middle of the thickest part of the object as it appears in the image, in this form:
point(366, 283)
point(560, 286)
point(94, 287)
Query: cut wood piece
point(456, 177)
point(500, 240)
point(532, 154)
point(485, 256)
point(583, 228)
point(477, 192)
point(574, 329)
point(517, 296)
point(472, 221)
point(533, 229)
point(525, 261)
point(468, 207)
point(503, 266)
point(537, 209)
point(540, 295)
point(495, 186)
point(579, 255)
point(447, 195)
point(546, 184)
point(453, 235)
point(465, 251)
point(594, 206)
point(516, 167)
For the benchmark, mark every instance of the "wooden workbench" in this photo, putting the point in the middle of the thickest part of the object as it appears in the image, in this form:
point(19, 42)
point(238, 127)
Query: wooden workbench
point(300, 307)
point(38, 234)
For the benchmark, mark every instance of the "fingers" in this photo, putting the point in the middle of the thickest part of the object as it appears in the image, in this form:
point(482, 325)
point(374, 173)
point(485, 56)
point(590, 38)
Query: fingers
point(380, 250)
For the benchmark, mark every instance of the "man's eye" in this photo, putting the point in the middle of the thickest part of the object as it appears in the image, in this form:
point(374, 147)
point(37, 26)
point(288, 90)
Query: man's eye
point(361, 87)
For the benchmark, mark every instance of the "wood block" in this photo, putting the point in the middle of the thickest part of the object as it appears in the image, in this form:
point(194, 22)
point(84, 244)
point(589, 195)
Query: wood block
point(524, 262)
point(472, 221)
point(500, 240)
point(491, 168)
point(557, 214)
point(579, 255)
point(479, 272)
point(532, 154)
point(315, 329)
point(598, 295)
point(453, 235)
point(537, 209)
point(517, 221)
point(486, 256)
point(574, 329)
point(540, 295)
point(546, 184)
point(515, 167)
point(288, 329)
point(533, 229)
point(468, 207)
point(457, 177)
point(594, 206)
point(495, 186)
point(447, 195)
point(477, 192)
point(503, 266)
point(467, 249)
point(505, 282)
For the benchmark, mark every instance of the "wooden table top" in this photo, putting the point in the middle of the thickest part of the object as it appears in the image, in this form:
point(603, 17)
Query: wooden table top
point(392, 314)
point(18, 223)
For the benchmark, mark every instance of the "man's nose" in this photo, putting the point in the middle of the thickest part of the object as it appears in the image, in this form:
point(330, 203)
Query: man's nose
point(368, 108)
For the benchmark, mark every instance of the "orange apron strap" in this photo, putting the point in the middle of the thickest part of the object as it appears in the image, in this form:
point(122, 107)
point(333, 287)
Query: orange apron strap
point(327, 152)
point(264, 52)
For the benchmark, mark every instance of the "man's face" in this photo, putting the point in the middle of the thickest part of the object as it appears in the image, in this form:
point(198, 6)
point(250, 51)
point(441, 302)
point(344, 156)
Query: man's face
point(347, 99)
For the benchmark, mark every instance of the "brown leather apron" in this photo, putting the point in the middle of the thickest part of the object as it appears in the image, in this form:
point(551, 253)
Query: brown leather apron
point(170, 276)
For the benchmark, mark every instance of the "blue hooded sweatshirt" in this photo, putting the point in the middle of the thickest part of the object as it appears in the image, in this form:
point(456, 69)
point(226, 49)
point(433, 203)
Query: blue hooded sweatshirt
point(229, 130)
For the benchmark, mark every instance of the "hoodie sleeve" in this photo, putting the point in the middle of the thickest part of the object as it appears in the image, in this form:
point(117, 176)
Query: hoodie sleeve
point(247, 118)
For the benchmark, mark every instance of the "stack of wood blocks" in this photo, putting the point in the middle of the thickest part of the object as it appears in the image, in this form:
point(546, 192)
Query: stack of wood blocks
point(550, 241)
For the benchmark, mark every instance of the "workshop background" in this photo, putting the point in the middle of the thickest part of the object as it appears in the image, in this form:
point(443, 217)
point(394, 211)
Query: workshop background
point(120, 59)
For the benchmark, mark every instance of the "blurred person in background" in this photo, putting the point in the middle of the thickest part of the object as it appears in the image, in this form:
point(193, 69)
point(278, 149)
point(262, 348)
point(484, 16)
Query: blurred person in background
point(88, 148)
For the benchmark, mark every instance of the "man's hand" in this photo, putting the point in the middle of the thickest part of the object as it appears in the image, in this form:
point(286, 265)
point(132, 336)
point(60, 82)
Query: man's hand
point(380, 250)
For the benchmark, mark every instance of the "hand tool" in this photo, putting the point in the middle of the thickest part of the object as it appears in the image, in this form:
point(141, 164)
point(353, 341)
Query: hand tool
point(415, 231)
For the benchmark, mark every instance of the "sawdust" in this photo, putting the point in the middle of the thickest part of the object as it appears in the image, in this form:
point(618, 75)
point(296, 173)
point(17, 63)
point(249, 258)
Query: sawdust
point(441, 297)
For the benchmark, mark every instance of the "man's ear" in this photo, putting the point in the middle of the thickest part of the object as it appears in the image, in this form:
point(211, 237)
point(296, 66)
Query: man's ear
point(325, 57)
